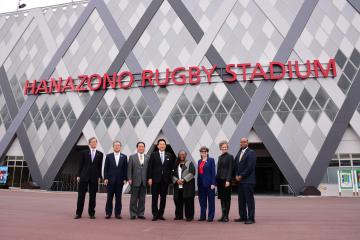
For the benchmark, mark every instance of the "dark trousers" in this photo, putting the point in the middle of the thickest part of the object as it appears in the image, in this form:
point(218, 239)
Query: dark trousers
point(224, 194)
point(82, 188)
point(246, 201)
point(180, 203)
point(206, 197)
point(137, 201)
point(113, 189)
point(158, 189)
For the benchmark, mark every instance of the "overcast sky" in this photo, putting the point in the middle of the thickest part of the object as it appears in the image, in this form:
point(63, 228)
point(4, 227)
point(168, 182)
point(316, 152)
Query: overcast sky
point(11, 5)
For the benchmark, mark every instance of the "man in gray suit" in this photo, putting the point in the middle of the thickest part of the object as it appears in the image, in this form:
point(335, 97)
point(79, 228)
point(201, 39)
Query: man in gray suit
point(137, 170)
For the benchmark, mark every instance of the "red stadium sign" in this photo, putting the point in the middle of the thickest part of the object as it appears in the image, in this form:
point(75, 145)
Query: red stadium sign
point(179, 76)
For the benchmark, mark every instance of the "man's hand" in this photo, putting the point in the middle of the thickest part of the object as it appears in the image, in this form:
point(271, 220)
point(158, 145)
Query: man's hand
point(238, 178)
point(78, 179)
point(106, 182)
point(130, 181)
point(212, 186)
point(227, 184)
point(150, 182)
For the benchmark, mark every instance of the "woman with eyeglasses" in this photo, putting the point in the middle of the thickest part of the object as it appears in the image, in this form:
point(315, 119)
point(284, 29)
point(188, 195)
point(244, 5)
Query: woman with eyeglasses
point(223, 179)
point(184, 187)
point(206, 185)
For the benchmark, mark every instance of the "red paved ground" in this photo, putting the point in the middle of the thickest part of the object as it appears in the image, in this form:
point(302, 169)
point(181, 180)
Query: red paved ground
point(49, 215)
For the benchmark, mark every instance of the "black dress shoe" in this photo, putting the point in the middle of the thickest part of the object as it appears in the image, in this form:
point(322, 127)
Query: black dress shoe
point(154, 219)
point(201, 219)
point(177, 218)
point(161, 218)
point(249, 221)
point(141, 217)
point(189, 219)
point(133, 218)
point(210, 220)
point(118, 217)
point(107, 216)
point(77, 217)
point(239, 220)
point(225, 219)
point(92, 217)
point(220, 219)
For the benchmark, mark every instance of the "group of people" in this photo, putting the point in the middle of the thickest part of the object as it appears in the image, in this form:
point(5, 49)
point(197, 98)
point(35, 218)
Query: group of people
point(161, 169)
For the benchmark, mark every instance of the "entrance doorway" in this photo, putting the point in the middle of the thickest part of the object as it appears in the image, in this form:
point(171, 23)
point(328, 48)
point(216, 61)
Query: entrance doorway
point(268, 175)
point(66, 177)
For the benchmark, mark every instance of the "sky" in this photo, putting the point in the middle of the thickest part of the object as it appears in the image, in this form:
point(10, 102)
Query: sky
point(11, 5)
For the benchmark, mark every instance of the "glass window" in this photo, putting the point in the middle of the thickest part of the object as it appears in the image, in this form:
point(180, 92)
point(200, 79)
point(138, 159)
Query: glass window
point(305, 98)
point(190, 115)
point(290, 99)
point(183, 103)
point(115, 106)
point(350, 70)
point(344, 156)
point(356, 162)
point(228, 101)
point(274, 99)
point(176, 115)
point(355, 57)
point(343, 84)
point(134, 117)
point(340, 58)
point(332, 175)
point(141, 105)
point(213, 102)
point(321, 97)
point(205, 115)
point(344, 163)
point(334, 163)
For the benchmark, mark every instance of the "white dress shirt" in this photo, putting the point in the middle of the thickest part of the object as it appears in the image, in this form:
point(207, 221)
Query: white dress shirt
point(242, 153)
point(162, 156)
point(141, 158)
point(179, 172)
point(117, 157)
point(93, 153)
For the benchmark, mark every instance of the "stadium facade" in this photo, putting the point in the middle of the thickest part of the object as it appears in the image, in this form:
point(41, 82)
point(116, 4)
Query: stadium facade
point(303, 128)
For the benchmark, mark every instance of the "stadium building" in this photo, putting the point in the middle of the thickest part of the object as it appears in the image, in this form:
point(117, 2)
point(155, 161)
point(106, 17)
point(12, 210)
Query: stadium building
point(283, 73)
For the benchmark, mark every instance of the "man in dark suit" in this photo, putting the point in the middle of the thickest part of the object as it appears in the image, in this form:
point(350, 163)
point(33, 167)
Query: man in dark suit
point(245, 163)
point(137, 171)
point(160, 168)
point(88, 175)
point(115, 175)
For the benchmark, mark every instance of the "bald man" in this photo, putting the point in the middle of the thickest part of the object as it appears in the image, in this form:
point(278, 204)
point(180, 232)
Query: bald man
point(245, 163)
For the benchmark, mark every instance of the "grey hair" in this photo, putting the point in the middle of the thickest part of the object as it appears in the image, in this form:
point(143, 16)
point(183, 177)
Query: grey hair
point(117, 141)
point(224, 142)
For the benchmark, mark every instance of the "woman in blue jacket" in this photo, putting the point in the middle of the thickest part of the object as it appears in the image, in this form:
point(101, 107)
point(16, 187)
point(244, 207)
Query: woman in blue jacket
point(206, 185)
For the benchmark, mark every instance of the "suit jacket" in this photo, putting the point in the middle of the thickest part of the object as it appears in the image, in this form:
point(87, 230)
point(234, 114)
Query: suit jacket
point(136, 172)
point(90, 170)
point(188, 174)
point(208, 177)
point(225, 167)
point(158, 171)
point(115, 174)
point(246, 167)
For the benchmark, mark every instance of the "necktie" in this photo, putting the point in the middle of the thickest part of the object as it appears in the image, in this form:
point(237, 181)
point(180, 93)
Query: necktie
point(92, 155)
point(162, 157)
point(241, 154)
point(141, 159)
